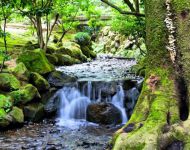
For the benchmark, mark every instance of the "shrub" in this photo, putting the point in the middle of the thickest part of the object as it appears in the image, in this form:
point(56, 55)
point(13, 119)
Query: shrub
point(82, 38)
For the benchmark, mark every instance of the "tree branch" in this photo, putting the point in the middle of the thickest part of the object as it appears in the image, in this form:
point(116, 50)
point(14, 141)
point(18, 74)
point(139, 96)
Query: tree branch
point(122, 11)
point(130, 5)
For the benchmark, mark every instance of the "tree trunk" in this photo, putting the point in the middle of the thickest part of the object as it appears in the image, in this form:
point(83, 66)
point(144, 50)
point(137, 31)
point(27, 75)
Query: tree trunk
point(40, 32)
point(161, 116)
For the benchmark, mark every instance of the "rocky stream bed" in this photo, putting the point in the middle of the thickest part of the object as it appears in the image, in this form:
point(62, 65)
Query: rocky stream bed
point(100, 81)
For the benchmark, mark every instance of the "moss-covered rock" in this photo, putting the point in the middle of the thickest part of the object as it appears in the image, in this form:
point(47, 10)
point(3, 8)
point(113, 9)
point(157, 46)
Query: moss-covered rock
point(4, 122)
point(5, 102)
point(31, 46)
point(39, 81)
point(72, 49)
point(34, 112)
point(21, 72)
point(51, 49)
point(59, 79)
point(36, 61)
point(17, 115)
point(66, 60)
point(8, 82)
point(25, 94)
point(52, 59)
point(88, 52)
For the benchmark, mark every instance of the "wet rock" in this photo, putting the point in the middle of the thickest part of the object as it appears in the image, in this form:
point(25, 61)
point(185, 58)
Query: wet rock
point(52, 105)
point(103, 113)
point(59, 79)
point(36, 61)
point(129, 128)
point(8, 82)
point(34, 112)
point(129, 84)
point(176, 145)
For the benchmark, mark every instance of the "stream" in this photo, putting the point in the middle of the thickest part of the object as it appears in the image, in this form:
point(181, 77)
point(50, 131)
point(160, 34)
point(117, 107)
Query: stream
point(105, 84)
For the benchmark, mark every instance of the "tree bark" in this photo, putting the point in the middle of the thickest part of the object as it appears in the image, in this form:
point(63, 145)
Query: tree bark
point(39, 32)
point(161, 115)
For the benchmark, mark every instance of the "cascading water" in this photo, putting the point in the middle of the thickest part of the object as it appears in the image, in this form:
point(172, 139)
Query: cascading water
point(99, 81)
point(118, 101)
point(74, 101)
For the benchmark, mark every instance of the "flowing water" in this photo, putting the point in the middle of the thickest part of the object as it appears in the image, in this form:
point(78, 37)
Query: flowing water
point(102, 80)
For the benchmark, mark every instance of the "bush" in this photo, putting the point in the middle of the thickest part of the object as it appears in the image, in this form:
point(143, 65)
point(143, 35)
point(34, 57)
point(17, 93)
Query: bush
point(82, 38)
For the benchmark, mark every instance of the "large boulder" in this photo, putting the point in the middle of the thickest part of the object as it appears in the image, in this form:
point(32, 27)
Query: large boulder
point(36, 61)
point(39, 82)
point(59, 79)
point(72, 49)
point(103, 113)
point(25, 94)
point(66, 60)
point(52, 59)
point(17, 115)
point(52, 105)
point(34, 112)
point(88, 52)
point(8, 82)
point(21, 72)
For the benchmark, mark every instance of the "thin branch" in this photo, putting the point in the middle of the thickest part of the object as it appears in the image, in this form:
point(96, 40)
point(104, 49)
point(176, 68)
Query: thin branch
point(137, 5)
point(130, 5)
point(122, 11)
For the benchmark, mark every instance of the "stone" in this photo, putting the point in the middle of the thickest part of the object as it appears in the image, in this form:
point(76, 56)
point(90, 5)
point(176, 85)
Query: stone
point(21, 72)
point(39, 82)
point(52, 59)
point(88, 52)
point(34, 112)
point(72, 49)
point(25, 94)
point(5, 102)
point(36, 61)
point(66, 60)
point(8, 82)
point(3, 121)
point(103, 113)
point(52, 105)
point(59, 79)
point(17, 115)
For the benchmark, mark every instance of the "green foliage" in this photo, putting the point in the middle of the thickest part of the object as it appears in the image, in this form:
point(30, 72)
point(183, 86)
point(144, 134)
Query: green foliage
point(82, 38)
point(129, 25)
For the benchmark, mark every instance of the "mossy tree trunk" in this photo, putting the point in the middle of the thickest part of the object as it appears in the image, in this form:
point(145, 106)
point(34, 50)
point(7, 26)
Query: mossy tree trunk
point(161, 116)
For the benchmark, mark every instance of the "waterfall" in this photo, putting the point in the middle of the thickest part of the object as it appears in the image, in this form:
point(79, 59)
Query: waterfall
point(118, 101)
point(74, 100)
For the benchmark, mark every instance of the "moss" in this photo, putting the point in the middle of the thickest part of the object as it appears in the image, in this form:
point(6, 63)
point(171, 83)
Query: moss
point(17, 115)
point(3, 121)
point(36, 61)
point(5, 103)
point(150, 113)
point(66, 60)
point(72, 49)
point(88, 52)
point(21, 72)
point(52, 59)
point(8, 82)
point(39, 82)
point(25, 94)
